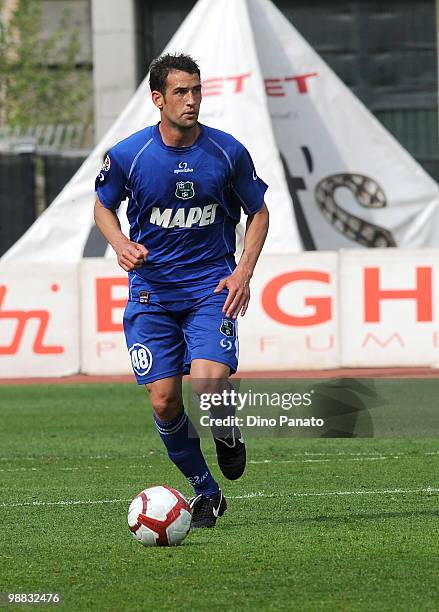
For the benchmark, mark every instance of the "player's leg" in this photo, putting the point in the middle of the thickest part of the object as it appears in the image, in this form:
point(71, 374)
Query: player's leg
point(210, 377)
point(156, 346)
point(212, 341)
point(179, 435)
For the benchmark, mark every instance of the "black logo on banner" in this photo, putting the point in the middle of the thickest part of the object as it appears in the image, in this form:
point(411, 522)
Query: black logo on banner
point(366, 191)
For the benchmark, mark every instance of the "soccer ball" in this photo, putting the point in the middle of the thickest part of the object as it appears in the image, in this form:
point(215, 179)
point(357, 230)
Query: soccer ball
point(159, 516)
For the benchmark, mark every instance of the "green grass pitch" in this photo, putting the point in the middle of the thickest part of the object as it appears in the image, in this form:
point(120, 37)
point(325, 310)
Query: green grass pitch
point(315, 524)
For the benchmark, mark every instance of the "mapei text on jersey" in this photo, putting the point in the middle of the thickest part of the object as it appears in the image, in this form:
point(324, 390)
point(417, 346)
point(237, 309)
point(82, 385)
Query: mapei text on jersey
point(184, 217)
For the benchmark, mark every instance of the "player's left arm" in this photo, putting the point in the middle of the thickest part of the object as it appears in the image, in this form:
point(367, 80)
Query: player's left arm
point(238, 283)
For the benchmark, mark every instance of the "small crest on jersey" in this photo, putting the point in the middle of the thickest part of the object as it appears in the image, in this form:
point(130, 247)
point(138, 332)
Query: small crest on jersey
point(227, 328)
point(184, 190)
point(144, 297)
point(106, 165)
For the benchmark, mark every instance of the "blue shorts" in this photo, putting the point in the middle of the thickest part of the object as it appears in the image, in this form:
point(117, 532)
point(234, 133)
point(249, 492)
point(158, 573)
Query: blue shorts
point(163, 337)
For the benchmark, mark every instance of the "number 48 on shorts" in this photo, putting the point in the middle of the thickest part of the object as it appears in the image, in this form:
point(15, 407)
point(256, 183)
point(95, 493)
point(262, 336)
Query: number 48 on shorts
point(141, 358)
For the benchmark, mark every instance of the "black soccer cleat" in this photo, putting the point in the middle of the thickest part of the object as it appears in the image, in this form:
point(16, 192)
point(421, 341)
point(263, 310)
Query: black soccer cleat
point(231, 455)
point(205, 510)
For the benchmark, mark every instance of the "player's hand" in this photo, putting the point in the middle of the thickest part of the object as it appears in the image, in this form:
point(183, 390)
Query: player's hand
point(131, 255)
point(239, 293)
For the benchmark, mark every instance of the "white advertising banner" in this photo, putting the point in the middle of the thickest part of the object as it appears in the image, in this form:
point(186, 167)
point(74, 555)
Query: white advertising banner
point(312, 311)
point(104, 291)
point(39, 320)
point(292, 320)
point(389, 316)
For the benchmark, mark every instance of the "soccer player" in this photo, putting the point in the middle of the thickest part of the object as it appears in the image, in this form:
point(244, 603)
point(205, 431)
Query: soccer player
point(186, 185)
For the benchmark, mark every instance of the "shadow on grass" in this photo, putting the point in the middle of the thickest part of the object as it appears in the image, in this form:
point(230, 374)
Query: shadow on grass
point(340, 518)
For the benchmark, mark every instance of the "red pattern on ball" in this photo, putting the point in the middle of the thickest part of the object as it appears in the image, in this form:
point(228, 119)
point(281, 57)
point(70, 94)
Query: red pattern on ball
point(156, 525)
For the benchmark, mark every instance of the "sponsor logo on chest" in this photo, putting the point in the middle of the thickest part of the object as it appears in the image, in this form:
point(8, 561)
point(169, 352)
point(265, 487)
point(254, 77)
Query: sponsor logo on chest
point(195, 216)
point(183, 168)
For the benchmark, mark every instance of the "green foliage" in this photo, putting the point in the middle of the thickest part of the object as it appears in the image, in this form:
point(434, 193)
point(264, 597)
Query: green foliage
point(39, 82)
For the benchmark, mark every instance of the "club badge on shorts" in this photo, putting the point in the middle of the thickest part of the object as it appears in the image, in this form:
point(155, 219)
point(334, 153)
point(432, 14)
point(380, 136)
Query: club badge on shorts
point(227, 328)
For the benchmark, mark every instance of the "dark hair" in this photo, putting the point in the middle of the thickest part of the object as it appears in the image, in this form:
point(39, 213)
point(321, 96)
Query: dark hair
point(163, 65)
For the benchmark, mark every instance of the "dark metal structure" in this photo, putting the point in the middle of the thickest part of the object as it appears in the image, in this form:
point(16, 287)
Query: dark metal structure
point(17, 196)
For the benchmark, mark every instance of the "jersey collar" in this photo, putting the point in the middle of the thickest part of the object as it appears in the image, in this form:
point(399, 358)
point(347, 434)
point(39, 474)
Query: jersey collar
point(158, 139)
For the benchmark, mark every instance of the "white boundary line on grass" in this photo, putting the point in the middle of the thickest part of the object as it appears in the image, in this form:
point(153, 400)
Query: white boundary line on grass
point(91, 502)
point(335, 455)
point(250, 462)
point(262, 461)
point(428, 490)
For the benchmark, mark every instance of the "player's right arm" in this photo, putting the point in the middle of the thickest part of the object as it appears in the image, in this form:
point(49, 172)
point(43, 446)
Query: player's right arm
point(110, 187)
point(130, 255)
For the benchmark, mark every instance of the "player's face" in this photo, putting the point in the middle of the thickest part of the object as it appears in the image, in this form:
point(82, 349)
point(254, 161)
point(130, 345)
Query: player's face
point(180, 105)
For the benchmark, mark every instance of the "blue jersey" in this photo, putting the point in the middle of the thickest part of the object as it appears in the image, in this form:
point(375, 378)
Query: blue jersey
point(184, 205)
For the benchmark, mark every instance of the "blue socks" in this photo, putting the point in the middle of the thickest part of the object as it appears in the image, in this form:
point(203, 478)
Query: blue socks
point(183, 445)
